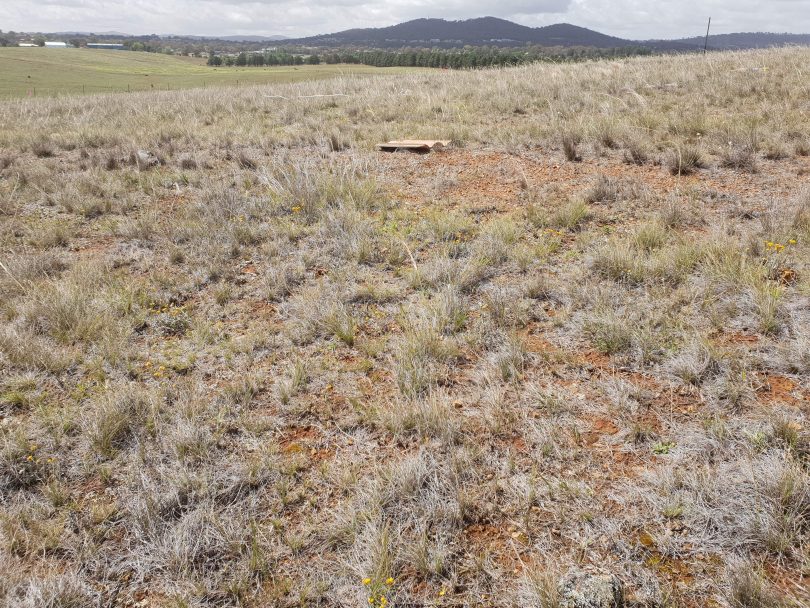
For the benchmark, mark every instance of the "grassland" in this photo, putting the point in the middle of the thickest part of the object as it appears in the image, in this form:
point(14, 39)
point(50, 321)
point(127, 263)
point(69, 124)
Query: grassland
point(50, 72)
point(247, 360)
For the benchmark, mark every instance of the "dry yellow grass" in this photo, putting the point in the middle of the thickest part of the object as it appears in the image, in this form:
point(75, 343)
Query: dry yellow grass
point(245, 359)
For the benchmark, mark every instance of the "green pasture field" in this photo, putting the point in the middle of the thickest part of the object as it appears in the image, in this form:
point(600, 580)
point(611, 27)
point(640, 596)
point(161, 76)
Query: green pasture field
point(49, 72)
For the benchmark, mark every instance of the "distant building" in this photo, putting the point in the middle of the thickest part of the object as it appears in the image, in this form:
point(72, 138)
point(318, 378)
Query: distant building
point(56, 45)
point(105, 45)
point(27, 44)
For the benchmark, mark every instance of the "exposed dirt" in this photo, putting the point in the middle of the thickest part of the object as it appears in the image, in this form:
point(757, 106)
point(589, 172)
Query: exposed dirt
point(478, 178)
point(493, 183)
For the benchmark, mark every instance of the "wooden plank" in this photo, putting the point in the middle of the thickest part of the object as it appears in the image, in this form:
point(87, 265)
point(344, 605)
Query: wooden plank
point(417, 145)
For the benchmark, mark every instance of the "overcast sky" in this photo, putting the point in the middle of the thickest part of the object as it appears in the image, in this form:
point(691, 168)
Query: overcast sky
point(626, 18)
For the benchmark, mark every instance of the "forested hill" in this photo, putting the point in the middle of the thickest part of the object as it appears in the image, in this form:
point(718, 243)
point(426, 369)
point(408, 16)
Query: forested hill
point(491, 31)
point(476, 32)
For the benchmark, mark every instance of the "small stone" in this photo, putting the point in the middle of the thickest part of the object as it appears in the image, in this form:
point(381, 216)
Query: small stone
point(584, 590)
point(145, 159)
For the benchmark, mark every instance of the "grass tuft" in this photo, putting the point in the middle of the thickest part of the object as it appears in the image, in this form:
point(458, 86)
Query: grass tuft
point(684, 160)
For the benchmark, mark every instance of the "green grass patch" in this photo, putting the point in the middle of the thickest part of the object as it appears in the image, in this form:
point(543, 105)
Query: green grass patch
point(49, 72)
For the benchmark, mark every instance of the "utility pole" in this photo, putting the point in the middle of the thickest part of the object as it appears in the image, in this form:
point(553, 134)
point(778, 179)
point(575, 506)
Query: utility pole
point(706, 44)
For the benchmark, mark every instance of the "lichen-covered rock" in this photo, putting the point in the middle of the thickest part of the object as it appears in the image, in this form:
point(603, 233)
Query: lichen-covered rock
point(583, 590)
point(145, 159)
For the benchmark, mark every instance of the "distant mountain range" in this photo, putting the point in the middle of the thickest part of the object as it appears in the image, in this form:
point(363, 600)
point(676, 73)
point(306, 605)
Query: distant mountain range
point(65, 34)
point(234, 38)
point(500, 32)
point(492, 31)
point(750, 40)
point(484, 30)
point(253, 38)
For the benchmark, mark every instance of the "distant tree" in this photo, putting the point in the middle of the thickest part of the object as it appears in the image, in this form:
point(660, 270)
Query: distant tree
point(76, 42)
point(39, 41)
point(137, 46)
point(255, 59)
point(241, 59)
point(313, 60)
point(214, 60)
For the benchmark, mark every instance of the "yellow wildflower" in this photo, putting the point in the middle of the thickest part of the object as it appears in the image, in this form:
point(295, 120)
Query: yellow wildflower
point(389, 581)
point(366, 581)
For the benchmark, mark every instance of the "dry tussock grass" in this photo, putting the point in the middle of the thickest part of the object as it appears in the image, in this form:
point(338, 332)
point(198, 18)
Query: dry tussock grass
point(263, 364)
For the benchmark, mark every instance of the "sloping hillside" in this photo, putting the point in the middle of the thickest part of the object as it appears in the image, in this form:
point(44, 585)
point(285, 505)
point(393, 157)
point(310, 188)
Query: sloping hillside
point(38, 71)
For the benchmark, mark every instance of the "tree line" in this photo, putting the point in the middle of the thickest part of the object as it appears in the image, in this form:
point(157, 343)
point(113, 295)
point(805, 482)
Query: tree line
point(254, 59)
point(449, 59)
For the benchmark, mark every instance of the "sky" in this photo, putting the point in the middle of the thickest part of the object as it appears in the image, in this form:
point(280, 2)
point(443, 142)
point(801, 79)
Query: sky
point(635, 19)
